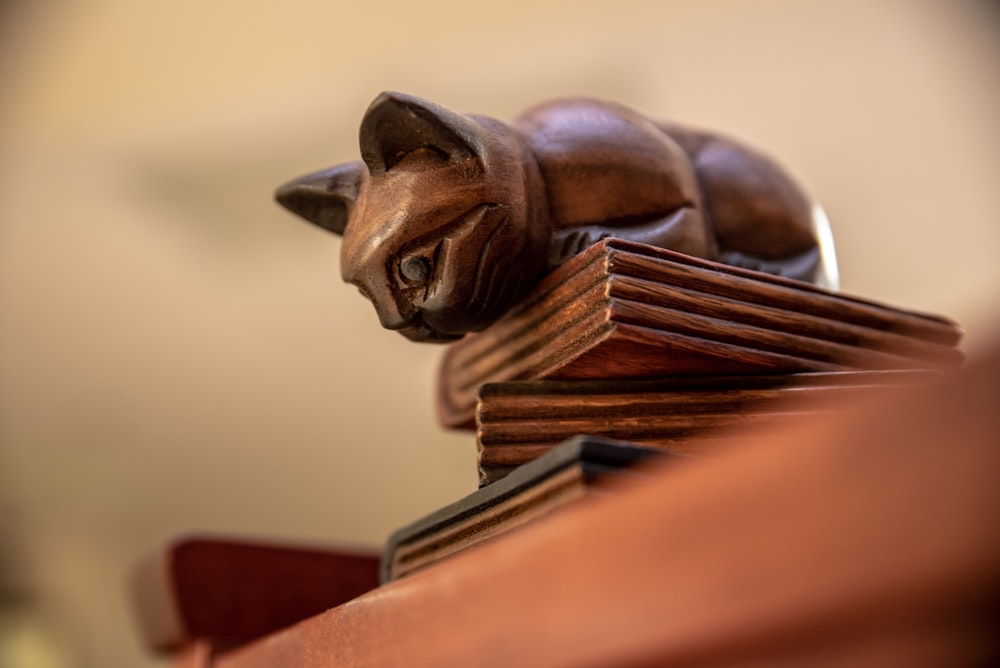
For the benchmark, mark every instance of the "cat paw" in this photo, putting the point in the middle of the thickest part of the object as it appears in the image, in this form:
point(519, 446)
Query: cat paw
point(574, 241)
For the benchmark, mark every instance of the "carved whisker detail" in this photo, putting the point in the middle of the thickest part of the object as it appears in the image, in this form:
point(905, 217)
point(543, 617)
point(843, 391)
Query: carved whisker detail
point(483, 267)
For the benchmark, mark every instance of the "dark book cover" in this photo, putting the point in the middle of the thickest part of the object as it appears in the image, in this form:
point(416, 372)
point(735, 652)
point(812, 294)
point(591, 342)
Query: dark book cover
point(562, 475)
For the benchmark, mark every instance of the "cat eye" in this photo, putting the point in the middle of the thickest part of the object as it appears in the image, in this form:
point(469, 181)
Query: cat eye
point(415, 268)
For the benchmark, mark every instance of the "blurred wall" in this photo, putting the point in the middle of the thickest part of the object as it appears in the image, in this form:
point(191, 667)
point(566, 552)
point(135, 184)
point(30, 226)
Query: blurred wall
point(176, 353)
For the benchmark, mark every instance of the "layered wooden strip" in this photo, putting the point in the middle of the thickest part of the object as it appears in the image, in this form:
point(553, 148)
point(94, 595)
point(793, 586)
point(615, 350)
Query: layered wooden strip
point(623, 309)
point(718, 279)
point(566, 473)
point(521, 420)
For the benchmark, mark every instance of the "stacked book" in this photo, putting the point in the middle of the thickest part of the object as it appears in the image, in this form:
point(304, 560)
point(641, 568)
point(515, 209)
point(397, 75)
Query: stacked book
point(580, 467)
point(651, 348)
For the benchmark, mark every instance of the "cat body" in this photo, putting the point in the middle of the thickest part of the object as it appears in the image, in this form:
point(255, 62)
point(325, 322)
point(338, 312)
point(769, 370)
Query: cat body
point(449, 219)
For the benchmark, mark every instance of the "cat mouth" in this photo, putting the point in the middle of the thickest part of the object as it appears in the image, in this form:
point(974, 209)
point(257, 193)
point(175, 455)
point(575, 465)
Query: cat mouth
point(421, 333)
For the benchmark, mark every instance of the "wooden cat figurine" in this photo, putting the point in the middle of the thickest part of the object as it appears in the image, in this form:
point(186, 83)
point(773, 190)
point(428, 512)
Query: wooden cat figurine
point(450, 219)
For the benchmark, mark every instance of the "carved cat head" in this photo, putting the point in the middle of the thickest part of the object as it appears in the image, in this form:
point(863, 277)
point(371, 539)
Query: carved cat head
point(444, 221)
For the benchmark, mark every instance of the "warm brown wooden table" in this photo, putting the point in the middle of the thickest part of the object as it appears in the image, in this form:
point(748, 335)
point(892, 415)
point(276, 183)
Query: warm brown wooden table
point(872, 539)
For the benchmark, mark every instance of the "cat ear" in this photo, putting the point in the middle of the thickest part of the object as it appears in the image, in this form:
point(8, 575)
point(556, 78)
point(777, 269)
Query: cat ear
point(325, 198)
point(397, 124)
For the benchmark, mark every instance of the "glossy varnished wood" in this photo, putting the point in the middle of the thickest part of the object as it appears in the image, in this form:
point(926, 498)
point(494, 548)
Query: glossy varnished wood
point(450, 219)
point(868, 539)
point(518, 421)
point(622, 309)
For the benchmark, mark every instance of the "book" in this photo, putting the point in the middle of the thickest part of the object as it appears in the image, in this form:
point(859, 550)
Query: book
point(566, 473)
point(518, 421)
point(622, 309)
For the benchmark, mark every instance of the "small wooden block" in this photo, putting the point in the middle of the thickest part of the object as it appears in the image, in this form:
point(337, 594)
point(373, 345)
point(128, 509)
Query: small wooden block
point(520, 420)
point(626, 310)
point(227, 592)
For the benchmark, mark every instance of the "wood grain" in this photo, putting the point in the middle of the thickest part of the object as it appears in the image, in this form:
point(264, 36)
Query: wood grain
point(449, 220)
point(518, 421)
point(623, 309)
point(565, 473)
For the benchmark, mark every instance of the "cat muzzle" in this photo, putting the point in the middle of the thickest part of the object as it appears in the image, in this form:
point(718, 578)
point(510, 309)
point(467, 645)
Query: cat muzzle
point(421, 333)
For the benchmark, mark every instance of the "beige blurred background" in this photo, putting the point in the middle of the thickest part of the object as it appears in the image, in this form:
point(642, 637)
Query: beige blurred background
point(176, 353)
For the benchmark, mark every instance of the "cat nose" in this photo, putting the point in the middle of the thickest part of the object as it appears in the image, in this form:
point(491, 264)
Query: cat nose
point(390, 315)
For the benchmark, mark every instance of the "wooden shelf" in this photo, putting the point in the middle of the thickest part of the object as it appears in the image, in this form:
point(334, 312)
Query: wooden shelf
point(867, 541)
